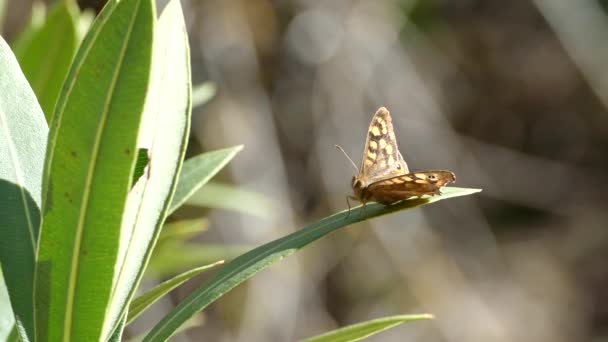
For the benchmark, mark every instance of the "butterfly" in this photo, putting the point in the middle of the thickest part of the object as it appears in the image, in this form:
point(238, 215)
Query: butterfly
point(384, 176)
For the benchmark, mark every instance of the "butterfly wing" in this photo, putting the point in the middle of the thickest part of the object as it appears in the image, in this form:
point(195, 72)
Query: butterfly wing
point(413, 184)
point(381, 156)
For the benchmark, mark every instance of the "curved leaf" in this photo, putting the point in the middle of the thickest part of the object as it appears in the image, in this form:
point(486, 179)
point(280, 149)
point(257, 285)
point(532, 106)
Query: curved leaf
point(174, 256)
point(141, 303)
point(254, 261)
point(193, 322)
point(197, 171)
point(89, 164)
point(34, 23)
point(224, 196)
point(116, 335)
point(168, 118)
point(362, 330)
point(23, 134)
point(183, 229)
point(202, 93)
point(46, 56)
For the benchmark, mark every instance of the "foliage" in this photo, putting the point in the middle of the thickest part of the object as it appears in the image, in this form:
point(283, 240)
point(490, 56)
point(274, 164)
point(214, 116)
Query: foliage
point(82, 206)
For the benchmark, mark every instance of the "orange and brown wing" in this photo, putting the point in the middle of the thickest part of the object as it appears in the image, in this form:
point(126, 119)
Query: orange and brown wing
point(413, 184)
point(381, 157)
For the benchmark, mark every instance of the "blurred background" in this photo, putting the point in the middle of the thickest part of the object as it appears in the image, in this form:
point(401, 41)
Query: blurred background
point(509, 95)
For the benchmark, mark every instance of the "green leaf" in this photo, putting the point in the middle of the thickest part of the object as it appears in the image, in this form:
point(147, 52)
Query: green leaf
point(193, 322)
point(197, 171)
point(23, 134)
point(116, 335)
point(362, 330)
point(7, 318)
point(224, 196)
point(35, 22)
point(167, 116)
point(46, 55)
point(89, 164)
point(2, 14)
point(14, 336)
point(140, 163)
point(183, 230)
point(254, 261)
point(85, 20)
point(202, 93)
point(141, 303)
point(175, 256)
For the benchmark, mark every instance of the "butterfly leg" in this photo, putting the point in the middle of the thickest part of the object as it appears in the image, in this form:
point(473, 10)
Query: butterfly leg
point(348, 203)
point(362, 212)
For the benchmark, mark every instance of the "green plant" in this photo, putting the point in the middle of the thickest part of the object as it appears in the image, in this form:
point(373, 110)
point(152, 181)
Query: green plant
point(77, 228)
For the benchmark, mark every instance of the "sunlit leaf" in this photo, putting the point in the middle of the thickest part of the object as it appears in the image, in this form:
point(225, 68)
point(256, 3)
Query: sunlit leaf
point(362, 330)
point(23, 136)
point(254, 261)
point(141, 303)
point(88, 172)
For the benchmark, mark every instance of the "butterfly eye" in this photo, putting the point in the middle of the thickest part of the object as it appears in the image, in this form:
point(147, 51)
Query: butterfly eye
point(398, 166)
point(432, 177)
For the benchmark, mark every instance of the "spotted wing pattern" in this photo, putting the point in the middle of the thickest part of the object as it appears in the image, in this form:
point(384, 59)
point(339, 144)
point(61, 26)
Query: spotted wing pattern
point(381, 156)
point(384, 176)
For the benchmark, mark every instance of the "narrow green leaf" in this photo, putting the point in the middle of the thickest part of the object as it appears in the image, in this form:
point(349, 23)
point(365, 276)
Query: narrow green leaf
point(254, 261)
point(197, 171)
point(224, 196)
point(193, 322)
point(23, 134)
point(141, 303)
point(88, 172)
point(202, 93)
point(173, 257)
point(167, 115)
point(116, 335)
point(183, 230)
point(34, 23)
point(362, 330)
point(46, 56)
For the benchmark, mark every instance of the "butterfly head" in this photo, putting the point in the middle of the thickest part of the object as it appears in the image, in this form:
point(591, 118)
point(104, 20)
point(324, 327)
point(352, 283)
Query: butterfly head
point(359, 188)
point(441, 177)
point(357, 183)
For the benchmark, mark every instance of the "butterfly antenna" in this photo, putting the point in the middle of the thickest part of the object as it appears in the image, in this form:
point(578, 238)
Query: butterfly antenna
point(351, 161)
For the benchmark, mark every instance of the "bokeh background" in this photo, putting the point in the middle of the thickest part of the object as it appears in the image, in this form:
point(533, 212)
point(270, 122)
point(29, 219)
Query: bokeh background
point(510, 95)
